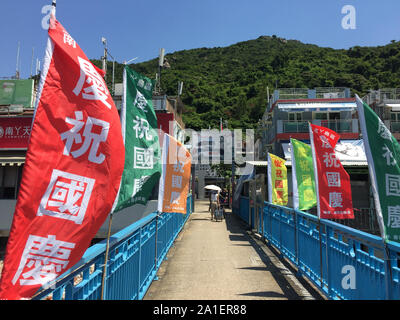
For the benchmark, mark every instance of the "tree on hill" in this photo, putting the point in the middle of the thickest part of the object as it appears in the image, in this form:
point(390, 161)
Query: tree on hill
point(231, 82)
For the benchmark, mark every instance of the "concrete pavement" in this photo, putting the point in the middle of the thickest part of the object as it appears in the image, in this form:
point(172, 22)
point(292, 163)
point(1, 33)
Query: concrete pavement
point(222, 261)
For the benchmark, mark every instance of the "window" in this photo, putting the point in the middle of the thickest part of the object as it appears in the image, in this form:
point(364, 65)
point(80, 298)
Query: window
point(320, 115)
point(295, 116)
point(10, 177)
point(334, 115)
point(395, 116)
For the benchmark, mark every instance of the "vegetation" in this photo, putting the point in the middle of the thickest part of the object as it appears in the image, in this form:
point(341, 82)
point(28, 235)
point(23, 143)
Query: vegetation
point(231, 82)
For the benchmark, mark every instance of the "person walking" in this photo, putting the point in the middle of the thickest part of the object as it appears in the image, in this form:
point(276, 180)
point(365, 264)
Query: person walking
point(214, 203)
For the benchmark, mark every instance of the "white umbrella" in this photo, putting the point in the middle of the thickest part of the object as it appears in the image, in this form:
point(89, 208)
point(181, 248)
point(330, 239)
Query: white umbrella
point(213, 187)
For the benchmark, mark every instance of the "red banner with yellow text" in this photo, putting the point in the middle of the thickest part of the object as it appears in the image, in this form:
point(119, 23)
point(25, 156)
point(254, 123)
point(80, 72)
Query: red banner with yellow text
point(332, 180)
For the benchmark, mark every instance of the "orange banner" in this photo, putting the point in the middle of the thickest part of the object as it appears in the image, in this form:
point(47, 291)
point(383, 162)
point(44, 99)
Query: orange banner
point(175, 179)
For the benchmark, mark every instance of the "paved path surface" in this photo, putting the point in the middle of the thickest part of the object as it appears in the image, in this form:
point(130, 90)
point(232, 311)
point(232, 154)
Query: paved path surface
point(221, 261)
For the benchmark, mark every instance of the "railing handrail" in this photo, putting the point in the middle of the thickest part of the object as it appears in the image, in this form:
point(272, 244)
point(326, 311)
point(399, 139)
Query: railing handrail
point(297, 235)
point(94, 255)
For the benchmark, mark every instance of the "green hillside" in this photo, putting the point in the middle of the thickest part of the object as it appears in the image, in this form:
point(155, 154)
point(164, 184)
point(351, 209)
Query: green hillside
point(231, 82)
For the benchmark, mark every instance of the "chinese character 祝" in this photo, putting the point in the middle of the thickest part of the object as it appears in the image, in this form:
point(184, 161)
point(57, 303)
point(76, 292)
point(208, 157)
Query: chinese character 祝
point(142, 128)
point(91, 139)
point(388, 155)
point(330, 160)
point(178, 166)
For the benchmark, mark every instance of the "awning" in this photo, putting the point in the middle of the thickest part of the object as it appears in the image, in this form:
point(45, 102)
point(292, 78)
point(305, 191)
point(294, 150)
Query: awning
point(349, 152)
point(258, 163)
point(395, 107)
point(12, 161)
point(317, 106)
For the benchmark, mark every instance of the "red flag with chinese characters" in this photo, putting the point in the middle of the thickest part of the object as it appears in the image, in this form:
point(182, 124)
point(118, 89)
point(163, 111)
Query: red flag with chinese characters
point(175, 178)
point(332, 181)
point(72, 172)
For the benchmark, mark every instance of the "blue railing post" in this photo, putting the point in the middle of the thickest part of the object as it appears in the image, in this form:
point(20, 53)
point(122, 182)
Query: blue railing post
point(329, 234)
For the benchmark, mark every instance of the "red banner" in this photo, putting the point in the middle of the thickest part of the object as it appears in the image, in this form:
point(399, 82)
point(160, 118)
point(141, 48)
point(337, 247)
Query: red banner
point(332, 181)
point(72, 172)
point(15, 132)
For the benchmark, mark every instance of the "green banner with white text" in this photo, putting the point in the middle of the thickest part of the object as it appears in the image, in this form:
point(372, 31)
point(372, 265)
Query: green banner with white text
point(142, 147)
point(383, 154)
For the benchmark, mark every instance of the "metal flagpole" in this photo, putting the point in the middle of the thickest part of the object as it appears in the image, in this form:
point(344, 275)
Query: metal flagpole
point(106, 258)
point(374, 184)
point(123, 110)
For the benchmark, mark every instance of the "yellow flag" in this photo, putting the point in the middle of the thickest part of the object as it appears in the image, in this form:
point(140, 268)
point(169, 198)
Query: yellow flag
point(277, 180)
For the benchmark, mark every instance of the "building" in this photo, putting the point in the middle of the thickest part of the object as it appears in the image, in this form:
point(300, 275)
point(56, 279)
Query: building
point(17, 98)
point(287, 116)
point(386, 104)
point(168, 111)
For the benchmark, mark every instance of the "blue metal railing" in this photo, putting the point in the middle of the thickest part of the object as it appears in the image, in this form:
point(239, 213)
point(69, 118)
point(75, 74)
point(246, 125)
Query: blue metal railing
point(344, 263)
point(135, 254)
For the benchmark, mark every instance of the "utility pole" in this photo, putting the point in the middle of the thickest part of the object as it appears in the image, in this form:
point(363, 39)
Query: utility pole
point(104, 68)
point(17, 67)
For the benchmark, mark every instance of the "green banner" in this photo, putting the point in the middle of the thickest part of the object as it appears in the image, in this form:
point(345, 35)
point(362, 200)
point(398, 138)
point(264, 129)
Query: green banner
point(19, 92)
point(383, 155)
point(304, 195)
point(142, 147)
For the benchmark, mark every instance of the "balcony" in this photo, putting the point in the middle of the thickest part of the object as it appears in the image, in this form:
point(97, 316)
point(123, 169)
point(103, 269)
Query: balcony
point(340, 126)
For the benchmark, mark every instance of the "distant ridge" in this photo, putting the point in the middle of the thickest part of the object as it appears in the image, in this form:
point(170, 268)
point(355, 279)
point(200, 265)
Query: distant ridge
point(231, 82)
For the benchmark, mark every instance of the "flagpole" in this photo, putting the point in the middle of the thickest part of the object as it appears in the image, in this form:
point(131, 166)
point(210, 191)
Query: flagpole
point(374, 184)
point(123, 112)
point(318, 204)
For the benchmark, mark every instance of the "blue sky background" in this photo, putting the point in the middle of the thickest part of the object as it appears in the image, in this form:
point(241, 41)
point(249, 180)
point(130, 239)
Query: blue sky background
point(140, 28)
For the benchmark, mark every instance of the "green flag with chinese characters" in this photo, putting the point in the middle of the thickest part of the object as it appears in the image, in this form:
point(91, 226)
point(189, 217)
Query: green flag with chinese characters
point(142, 147)
point(304, 195)
point(383, 155)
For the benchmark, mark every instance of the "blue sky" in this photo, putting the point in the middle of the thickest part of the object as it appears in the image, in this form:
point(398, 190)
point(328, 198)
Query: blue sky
point(140, 28)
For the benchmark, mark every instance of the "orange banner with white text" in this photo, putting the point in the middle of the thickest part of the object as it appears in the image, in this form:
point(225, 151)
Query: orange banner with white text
point(175, 179)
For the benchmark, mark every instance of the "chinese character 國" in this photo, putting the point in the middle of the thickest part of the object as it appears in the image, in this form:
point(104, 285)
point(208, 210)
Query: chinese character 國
point(67, 196)
point(333, 179)
point(143, 158)
point(392, 185)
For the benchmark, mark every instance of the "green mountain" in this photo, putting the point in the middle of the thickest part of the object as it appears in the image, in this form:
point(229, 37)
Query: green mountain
point(231, 82)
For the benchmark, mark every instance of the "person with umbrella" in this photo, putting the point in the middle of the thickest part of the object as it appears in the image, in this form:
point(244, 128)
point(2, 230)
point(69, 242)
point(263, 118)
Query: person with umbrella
point(214, 198)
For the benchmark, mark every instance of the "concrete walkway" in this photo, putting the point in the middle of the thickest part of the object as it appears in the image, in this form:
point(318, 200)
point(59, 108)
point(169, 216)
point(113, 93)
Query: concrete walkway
point(221, 261)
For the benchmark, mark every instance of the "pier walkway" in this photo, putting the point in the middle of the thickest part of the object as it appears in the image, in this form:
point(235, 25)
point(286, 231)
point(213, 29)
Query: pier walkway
point(224, 261)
